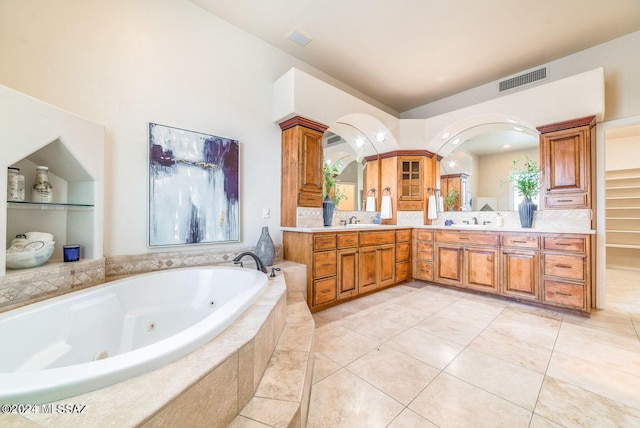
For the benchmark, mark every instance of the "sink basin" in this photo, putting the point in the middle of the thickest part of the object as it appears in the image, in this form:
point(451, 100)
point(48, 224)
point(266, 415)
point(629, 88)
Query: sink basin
point(361, 225)
point(470, 226)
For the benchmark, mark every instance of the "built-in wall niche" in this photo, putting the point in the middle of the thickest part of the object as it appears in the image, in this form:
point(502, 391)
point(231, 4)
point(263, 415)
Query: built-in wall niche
point(70, 216)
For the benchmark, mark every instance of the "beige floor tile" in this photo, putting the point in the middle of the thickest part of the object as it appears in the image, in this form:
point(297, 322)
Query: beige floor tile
point(571, 406)
point(569, 331)
point(323, 367)
point(344, 400)
point(343, 345)
point(280, 378)
point(525, 355)
point(242, 422)
point(455, 330)
point(410, 419)
point(450, 402)
point(538, 421)
point(586, 347)
point(546, 312)
point(274, 413)
point(394, 312)
point(544, 337)
point(394, 373)
point(608, 320)
point(375, 327)
point(430, 349)
point(296, 337)
point(534, 319)
point(426, 300)
point(509, 381)
point(481, 304)
point(597, 378)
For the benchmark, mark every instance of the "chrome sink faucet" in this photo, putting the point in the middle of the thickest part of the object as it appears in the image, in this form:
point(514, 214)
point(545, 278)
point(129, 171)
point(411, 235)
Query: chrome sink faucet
point(475, 220)
point(259, 263)
point(353, 218)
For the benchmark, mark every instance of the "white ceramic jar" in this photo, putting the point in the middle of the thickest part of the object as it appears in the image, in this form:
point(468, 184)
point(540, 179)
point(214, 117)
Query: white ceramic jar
point(15, 185)
point(42, 189)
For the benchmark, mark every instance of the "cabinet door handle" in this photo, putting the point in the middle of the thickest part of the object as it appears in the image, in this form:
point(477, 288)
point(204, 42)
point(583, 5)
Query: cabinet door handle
point(563, 266)
point(463, 238)
point(325, 291)
point(562, 244)
point(326, 264)
point(520, 242)
point(563, 294)
point(564, 200)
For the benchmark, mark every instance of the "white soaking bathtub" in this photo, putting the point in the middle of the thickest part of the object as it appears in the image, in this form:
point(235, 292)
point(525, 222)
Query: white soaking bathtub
point(99, 336)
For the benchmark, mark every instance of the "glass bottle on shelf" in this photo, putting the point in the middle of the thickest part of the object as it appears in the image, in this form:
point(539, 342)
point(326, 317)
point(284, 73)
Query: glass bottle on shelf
point(42, 189)
point(15, 185)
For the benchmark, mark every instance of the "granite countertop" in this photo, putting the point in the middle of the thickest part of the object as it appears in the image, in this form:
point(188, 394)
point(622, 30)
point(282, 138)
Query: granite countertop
point(469, 227)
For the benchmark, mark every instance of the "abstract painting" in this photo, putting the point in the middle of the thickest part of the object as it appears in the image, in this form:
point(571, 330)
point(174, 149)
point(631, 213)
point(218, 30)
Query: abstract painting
point(193, 187)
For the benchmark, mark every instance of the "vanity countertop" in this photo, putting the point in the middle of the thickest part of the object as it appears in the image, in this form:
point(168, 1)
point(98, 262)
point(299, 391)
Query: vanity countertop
point(460, 227)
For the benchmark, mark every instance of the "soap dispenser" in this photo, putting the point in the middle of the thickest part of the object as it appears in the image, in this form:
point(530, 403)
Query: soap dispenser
point(499, 221)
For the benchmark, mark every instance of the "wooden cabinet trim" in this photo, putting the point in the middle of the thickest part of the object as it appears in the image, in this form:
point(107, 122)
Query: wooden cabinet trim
point(568, 124)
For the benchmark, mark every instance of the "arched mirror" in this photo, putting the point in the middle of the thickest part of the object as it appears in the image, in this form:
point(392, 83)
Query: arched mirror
point(478, 164)
point(344, 147)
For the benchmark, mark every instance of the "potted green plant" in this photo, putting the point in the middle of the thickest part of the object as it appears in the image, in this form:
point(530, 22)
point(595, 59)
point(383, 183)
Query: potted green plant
point(525, 178)
point(331, 194)
point(450, 198)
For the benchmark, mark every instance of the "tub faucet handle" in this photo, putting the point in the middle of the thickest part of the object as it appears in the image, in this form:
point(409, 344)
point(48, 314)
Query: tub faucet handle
point(273, 272)
point(238, 262)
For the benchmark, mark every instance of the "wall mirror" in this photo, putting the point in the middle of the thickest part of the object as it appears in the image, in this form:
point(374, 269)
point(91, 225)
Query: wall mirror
point(344, 146)
point(480, 162)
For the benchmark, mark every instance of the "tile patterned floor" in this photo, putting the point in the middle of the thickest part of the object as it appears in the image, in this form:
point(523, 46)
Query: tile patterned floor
point(417, 355)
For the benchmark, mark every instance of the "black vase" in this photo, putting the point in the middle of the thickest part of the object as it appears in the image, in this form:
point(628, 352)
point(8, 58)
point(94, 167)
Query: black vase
point(526, 210)
point(327, 210)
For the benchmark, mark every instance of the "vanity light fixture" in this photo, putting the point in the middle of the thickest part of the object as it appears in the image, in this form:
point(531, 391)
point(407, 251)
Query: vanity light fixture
point(456, 141)
point(380, 137)
point(446, 135)
point(518, 128)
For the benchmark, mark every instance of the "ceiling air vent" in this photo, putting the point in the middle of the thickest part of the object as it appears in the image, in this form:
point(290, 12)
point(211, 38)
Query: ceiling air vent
point(334, 139)
point(523, 79)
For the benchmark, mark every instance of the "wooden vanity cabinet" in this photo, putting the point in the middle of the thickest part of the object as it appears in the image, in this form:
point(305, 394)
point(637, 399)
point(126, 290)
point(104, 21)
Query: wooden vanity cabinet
point(423, 254)
point(377, 259)
point(347, 261)
point(301, 184)
point(566, 271)
point(565, 163)
point(521, 266)
point(403, 255)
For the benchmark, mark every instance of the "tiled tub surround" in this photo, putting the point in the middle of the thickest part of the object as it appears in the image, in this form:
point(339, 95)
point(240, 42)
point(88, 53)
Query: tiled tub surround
point(213, 384)
point(21, 287)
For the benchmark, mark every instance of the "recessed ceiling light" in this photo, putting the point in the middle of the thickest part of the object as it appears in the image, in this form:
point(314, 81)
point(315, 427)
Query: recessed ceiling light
point(446, 135)
point(506, 146)
point(512, 120)
point(452, 164)
point(359, 142)
point(456, 141)
point(380, 137)
point(519, 129)
point(298, 38)
point(328, 162)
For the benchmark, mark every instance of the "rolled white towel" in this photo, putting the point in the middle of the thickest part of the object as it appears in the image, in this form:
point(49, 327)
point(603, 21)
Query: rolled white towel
point(385, 209)
point(432, 210)
point(440, 203)
point(39, 236)
point(371, 204)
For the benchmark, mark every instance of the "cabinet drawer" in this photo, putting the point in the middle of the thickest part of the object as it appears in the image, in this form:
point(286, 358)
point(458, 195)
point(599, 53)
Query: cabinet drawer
point(324, 242)
point(324, 264)
point(575, 244)
point(424, 235)
point(324, 290)
point(424, 251)
point(377, 238)
point(409, 205)
point(564, 266)
point(564, 293)
point(403, 271)
point(467, 238)
point(403, 235)
point(521, 241)
point(347, 240)
point(424, 271)
point(568, 201)
point(403, 252)
point(306, 199)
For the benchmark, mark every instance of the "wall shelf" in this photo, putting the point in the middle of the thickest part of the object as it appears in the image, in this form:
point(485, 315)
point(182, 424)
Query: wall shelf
point(25, 205)
point(622, 201)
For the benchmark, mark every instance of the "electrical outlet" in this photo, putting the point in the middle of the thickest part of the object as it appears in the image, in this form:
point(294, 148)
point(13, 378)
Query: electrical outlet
point(266, 213)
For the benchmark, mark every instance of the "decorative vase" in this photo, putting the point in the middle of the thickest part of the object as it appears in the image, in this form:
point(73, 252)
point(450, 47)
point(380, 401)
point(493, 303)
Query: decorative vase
point(265, 249)
point(526, 210)
point(327, 210)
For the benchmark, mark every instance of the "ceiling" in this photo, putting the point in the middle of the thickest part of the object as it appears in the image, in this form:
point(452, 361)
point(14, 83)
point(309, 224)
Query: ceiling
point(408, 53)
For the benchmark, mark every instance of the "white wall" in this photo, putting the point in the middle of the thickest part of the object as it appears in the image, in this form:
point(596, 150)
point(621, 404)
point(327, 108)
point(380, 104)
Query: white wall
point(619, 57)
point(124, 63)
point(622, 153)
